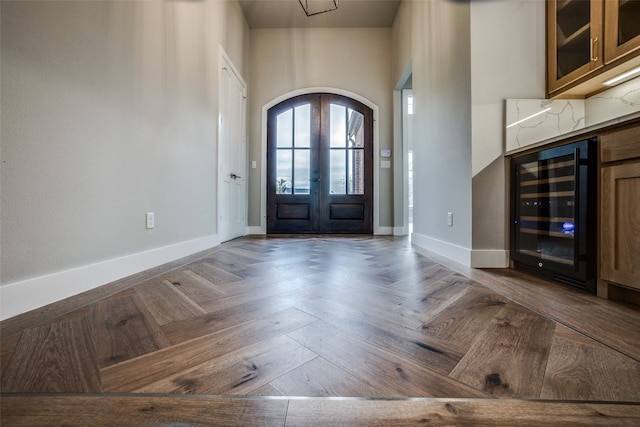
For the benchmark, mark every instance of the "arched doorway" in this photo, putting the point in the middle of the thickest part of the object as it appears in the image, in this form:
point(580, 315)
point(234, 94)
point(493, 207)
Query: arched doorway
point(320, 165)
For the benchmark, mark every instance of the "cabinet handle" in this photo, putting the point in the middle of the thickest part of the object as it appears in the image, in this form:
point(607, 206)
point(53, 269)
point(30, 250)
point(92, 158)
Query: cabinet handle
point(594, 40)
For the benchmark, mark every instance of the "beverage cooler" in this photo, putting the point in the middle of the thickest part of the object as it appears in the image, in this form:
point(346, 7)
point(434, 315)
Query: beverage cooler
point(553, 213)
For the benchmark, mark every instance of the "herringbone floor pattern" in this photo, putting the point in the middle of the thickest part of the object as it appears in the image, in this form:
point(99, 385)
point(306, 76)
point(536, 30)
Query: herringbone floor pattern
point(332, 316)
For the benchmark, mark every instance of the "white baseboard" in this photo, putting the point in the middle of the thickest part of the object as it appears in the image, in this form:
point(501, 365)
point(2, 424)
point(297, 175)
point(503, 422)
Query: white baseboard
point(476, 258)
point(399, 231)
point(446, 249)
point(255, 230)
point(383, 231)
point(26, 295)
point(489, 258)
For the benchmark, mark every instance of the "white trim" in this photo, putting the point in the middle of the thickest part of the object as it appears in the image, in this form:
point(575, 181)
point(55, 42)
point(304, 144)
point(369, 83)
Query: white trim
point(489, 258)
point(26, 295)
point(399, 231)
point(255, 230)
point(377, 230)
point(384, 231)
point(446, 249)
point(401, 155)
point(225, 60)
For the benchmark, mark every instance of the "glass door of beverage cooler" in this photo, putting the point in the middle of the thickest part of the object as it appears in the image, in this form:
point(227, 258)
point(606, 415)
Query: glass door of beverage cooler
point(553, 224)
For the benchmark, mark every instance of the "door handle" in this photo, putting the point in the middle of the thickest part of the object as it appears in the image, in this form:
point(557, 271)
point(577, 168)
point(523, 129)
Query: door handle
point(234, 176)
point(314, 180)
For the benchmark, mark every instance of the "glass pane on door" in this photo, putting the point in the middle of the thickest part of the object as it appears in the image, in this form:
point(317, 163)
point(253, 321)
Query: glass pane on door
point(338, 172)
point(338, 126)
point(284, 137)
point(303, 126)
point(356, 129)
point(356, 172)
point(301, 172)
point(284, 173)
point(628, 20)
point(347, 150)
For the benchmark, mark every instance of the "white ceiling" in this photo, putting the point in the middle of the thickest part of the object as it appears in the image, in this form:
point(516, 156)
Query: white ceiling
point(289, 14)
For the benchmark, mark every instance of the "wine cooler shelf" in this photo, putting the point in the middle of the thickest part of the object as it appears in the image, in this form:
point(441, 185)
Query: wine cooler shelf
point(553, 213)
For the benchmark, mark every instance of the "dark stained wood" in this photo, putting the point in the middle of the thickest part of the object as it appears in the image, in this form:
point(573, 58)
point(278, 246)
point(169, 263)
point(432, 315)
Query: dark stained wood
point(581, 368)
point(434, 295)
point(320, 210)
point(608, 322)
point(7, 347)
point(165, 303)
point(170, 361)
point(248, 291)
point(233, 260)
point(238, 372)
point(124, 331)
point(194, 286)
point(212, 273)
point(184, 330)
point(463, 412)
point(371, 327)
point(509, 358)
point(320, 378)
point(56, 358)
point(423, 279)
point(266, 390)
point(110, 411)
point(369, 316)
point(378, 367)
point(462, 321)
point(59, 308)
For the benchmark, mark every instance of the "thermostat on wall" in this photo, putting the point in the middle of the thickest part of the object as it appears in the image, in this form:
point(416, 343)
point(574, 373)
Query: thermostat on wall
point(385, 153)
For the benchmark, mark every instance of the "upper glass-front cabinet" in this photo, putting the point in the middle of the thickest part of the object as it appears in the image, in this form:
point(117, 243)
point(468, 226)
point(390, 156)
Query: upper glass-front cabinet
point(588, 42)
point(623, 15)
point(574, 40)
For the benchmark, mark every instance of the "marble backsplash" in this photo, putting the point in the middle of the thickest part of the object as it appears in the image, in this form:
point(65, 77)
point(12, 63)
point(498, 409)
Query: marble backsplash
point(533, 121)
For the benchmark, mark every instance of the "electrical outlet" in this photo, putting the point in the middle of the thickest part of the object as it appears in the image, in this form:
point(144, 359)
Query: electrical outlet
point(151, 220)
point(450, 219)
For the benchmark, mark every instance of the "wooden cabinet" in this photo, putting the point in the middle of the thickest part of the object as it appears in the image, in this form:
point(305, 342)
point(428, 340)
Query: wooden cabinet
point(620, 211)
point(624, 17)
point(588, 42)
point(574, 40)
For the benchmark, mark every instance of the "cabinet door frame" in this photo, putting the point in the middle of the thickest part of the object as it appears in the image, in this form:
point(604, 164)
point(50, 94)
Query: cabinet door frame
point(596, 32)
point(611, 225)
point(612, 50)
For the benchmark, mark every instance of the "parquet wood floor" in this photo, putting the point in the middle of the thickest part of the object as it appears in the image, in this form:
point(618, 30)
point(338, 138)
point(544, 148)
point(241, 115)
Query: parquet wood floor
point(320, 317)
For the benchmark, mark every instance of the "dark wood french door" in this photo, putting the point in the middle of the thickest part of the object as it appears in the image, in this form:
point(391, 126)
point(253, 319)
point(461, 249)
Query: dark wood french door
point(320, 166)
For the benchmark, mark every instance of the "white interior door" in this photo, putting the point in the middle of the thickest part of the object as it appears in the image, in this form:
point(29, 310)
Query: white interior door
point(231, 153)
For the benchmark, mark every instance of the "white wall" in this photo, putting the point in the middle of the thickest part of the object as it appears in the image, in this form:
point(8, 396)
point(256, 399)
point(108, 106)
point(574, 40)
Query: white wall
point(442, 126)
point(507, 60)
point(357, 60)
point(467, 58)
point(109, 111)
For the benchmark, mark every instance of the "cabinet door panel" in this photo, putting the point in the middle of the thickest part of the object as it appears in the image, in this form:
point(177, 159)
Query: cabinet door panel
point(621, 224)
point(622, 28)
point(574, 40)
